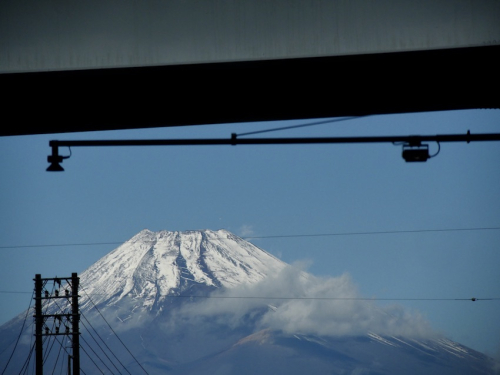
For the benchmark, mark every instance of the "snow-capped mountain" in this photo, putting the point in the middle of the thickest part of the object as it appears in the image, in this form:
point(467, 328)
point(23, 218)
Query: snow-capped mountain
point(209, 302)
point(154, 265)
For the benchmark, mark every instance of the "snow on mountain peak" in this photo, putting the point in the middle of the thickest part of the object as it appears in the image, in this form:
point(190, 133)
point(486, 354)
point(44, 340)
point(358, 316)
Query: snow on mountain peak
point(153, 265)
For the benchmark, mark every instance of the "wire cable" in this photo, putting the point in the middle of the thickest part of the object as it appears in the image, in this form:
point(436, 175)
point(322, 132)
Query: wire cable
point(270, 236)
point(104, 342)
point(49, 339)
point(437, 152)
point(60, 343)
point(320, 298)
point(28, 360)
point(20, 334)
point(57, 358)
point(81, 347)
point(109, 359)
point(300, 125)
point(97, 355)
point(59, 245)
point(473, 299)
point(370, 233)
point(112, 330)
point(62, 367)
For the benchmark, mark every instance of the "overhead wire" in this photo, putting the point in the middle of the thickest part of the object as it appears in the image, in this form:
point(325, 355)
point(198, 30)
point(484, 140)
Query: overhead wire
point(62, 367)
point(28, 360)
point(32, 338)
point(300, 125)
point(49, 339)
point(102, 372)
point(64, 348)
point(19, 336)
point(371, 233)
point(57, 358)
point(276, 236)
point(109, 359)
point(324, 298)
point(336, 298)
point(97, 355)
point(112, 330)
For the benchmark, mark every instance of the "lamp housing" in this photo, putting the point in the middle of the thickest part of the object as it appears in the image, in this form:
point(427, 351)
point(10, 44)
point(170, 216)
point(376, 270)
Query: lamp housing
point(416, 154)
point(55, 159)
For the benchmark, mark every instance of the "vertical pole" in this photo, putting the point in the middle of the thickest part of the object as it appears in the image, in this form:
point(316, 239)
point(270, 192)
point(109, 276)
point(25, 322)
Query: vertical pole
point(69, 365)
point(76, 319)
point(38, 324)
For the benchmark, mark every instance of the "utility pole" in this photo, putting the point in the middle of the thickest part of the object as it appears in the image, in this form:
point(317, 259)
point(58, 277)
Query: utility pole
point(38, 324)
point(62, 321)
point(75, 281)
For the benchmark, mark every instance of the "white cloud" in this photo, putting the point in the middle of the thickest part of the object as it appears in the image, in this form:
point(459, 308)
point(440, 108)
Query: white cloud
point(306, 304)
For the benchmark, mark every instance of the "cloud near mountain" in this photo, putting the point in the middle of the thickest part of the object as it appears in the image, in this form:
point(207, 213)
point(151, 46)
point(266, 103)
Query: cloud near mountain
point(297, 302)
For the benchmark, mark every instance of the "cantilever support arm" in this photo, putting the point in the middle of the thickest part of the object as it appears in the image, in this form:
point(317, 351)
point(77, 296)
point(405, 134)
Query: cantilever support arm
point(412, 140)
point(234, 140)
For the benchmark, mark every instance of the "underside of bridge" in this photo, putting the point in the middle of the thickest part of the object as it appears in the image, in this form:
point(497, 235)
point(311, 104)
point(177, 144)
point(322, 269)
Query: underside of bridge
point(136, 64)
point(195, 94)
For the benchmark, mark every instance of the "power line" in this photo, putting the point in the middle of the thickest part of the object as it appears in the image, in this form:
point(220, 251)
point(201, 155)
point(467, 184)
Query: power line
point(102, 361)
point(371, 233)
point(60, 245)
point(336, 298)
point(100, 347)
point(66, 351)
point(28, 360)
point(275, 236)
point(13, 292)
point(301, 125)
point(474, 299)
point(112, 330)
point(57, 359)
point(20, 334)
point(81, 347)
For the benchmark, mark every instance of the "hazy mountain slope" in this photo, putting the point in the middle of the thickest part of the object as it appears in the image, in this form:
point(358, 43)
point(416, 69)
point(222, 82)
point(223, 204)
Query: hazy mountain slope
point(271, 352)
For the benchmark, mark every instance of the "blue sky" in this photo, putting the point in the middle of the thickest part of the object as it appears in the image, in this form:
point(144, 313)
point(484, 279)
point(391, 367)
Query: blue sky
point(107, 195)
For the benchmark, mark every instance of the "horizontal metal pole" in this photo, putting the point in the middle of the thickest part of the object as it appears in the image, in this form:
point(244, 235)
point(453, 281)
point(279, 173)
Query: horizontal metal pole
point(415, 139)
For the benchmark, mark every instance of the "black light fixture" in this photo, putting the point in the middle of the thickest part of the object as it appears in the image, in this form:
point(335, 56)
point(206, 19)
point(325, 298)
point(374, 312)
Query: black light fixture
point(418, 153)
point(55, 159)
